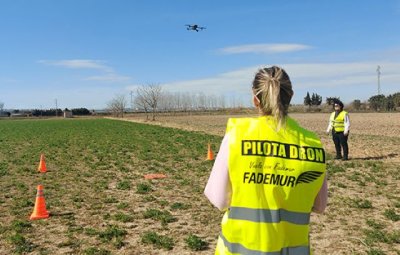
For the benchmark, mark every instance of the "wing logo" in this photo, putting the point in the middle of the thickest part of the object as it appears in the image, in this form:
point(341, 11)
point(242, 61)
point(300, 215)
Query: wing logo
point(308, 177)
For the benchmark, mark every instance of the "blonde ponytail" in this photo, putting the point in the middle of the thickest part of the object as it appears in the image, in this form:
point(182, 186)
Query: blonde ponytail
point(273, 89)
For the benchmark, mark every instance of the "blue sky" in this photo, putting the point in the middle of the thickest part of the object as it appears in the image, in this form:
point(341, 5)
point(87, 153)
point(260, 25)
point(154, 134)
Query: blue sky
point(85, 52)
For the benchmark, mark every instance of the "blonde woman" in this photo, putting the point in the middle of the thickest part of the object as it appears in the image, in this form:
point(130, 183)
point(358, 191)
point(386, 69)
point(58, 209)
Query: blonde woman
point(268, 176)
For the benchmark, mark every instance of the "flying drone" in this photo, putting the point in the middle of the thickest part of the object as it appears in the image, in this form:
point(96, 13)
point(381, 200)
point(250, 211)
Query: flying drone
point(194, 27)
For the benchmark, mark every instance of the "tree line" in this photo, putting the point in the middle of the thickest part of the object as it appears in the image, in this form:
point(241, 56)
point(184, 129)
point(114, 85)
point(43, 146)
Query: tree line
point(375, 103)
point(59, 112)
point(151, 99)
point(384, 103)
point(45, 112)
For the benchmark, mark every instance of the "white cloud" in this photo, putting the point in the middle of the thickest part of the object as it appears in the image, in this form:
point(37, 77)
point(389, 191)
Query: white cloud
point(108, 74)
point(337, 77)
point(235, 81)
point(111, 77)
point(264, 48)
point(78, 64)
point(340, 75)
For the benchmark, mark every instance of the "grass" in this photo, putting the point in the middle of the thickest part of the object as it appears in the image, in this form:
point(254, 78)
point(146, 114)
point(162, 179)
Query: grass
point(159, 241)
point(96, 251)
point(362, 190)
point(94, 186)
point(164, 217)
point(360, 203)
point(195, 243)
point(113, 234)
point(391, 214)
point(101, 204)
point(122, 217)
point(179, 206)
point(21, 244)
point(124, 185)
point(143, 188)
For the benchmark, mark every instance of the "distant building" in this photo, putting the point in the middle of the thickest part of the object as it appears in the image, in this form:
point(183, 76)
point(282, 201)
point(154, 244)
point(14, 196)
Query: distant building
point(21, 114)
point(67, 113)
point(4, 114)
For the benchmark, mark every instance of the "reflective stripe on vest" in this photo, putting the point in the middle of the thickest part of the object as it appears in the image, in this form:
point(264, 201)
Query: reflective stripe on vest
point(240, 249)
point(270, 216)
point(338, 122)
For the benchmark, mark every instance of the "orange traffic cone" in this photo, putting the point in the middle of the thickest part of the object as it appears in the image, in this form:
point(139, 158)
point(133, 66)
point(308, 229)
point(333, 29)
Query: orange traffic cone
point(210, 154)
point(39, 212)
point(42, 165)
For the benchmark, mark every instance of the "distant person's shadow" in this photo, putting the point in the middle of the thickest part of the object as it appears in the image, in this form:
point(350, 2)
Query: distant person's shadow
point(391, 155)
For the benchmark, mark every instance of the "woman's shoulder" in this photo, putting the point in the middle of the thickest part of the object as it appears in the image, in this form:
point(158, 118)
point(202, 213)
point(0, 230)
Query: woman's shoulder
point(297, 130)
point(238, 121)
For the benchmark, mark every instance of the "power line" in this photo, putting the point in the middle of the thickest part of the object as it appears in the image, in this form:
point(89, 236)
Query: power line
point(56, 108)
point(378, 71)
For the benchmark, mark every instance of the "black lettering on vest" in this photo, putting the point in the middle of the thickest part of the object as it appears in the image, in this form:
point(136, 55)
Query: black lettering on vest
point(246, 147)
point(274, 149)
point(302, 153)
point(259, 149)
point(254, 148)
point(280, 180)
point(282, 151)
point(284, 179)
point(266, 178)
point(310, 154)
point(260, 177)
point(294, 152)
point(245, 176)
point(252, 178)
point(267, 148)
point(291, 181)
point(319, 155)
point(275, 179)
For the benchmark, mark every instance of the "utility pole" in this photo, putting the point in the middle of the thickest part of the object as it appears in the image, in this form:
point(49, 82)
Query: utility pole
point(56, 109)
point(378, 71)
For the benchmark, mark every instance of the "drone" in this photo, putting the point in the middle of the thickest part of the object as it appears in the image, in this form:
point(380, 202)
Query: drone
point(194, 27)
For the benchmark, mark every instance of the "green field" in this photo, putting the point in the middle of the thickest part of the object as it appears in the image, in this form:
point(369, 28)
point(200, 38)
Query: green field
point(100, 203)
point(95, 191)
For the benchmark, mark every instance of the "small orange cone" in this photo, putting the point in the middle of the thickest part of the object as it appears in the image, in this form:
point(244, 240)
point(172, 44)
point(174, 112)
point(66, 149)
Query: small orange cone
point(39, 212)
point(210, 154)
point(42, 165)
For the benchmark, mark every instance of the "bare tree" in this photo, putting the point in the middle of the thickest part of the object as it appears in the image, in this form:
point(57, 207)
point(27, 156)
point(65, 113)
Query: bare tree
point(221, 100)
point(186, 101)
point(1, 106)
point(140, 102)
point(149, 96)
point(117, 105)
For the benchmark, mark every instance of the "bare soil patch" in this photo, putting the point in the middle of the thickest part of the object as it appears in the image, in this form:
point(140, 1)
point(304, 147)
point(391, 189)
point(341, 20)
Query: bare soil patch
point(361, 191)
point(372, 136)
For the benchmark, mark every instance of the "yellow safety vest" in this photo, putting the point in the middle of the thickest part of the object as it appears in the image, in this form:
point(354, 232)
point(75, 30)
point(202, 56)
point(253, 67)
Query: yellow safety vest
point(275, 179)
point(338, 122)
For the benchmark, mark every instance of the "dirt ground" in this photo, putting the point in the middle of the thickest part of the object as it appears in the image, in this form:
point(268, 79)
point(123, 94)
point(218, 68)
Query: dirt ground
point(343, 228)
point(96, 169)
point(363, 141)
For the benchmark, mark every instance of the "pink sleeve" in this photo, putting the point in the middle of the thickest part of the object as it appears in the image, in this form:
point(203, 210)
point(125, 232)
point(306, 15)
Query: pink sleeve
point(321, 200)
point(218, 188)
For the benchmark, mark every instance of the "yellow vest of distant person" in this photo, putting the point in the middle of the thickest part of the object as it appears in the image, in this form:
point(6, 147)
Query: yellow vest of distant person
point(275, 177)
point(338, 122)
